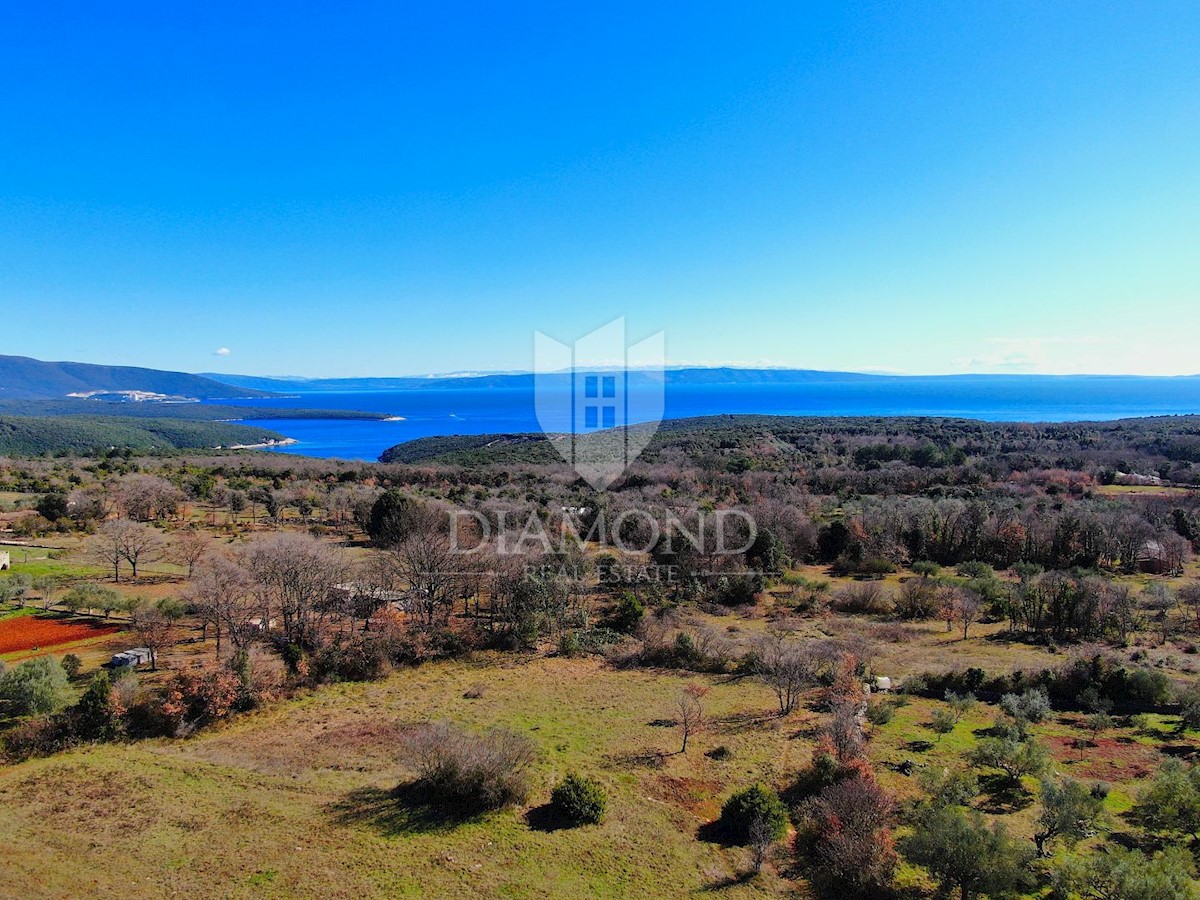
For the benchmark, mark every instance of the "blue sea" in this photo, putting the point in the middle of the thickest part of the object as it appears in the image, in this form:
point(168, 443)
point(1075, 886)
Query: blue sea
point(426, 412)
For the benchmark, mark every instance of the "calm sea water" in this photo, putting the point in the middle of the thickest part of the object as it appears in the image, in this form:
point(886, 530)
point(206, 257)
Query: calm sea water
point(500, 410)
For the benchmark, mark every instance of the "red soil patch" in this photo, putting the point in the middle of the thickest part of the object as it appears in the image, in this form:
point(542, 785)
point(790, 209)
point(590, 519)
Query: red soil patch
point(1107, 759)
point(34, 633)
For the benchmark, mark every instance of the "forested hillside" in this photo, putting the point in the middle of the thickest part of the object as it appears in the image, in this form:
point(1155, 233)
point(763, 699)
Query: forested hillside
point(197, 412)
point(25, 378)
point(32, 436)
point(871, 454)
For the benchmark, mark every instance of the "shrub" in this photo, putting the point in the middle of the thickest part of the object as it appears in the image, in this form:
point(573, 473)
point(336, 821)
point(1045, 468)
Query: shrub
point(36, 686)
point(198, 696)
point(1125, 690)
point(942, 722)
point(687, 655)
point(918, 598)
point(569, 644)
point(37, 736)
point(71, 665)
point(849, 836)
point(97, 715)
point(1189, 708)
point(579, 800)
point(1126, 874)
point(628, 613)
point(880, 713)
point(361, 657)
point(1170, 804)
point(862, 597)
point(479, 771)
point(962, 851)
point(737, 590)
point(949, 787)
point(1031, 706)
point(975, 569)
point(751, 810)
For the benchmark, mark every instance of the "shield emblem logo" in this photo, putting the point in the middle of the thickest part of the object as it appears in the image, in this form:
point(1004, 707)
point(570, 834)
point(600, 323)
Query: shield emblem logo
point(599, 402)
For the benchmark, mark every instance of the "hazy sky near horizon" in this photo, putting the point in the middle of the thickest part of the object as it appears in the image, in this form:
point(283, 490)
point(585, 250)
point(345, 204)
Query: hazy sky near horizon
point(400, 188)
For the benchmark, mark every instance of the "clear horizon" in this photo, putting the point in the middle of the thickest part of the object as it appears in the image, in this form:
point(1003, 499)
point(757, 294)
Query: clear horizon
point(919, 189)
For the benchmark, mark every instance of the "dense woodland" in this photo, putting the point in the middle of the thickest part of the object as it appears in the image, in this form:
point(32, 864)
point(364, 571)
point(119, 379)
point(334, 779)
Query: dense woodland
point(82, 434)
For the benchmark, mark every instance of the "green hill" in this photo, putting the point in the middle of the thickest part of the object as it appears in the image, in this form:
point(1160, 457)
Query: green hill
point(200, 412)
point(33, 436)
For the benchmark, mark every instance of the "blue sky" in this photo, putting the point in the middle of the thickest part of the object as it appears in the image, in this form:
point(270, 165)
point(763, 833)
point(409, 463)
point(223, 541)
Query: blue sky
point(398, 188)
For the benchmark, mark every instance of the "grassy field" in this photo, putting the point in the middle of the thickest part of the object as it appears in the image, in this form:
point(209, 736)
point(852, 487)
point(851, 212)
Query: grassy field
point(298, 800)
point(307, 786)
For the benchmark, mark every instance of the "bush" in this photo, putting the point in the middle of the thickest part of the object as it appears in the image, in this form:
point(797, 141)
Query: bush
point(918, 598)
point(963, 852)
point(862, 597)
point(36, 686)
point(687, 655)
point(579, 800)
point(479, 771)
point(360, 657)
point(751, 810)
point(949, 787)
point(97, 715)
point(37, 736)
point(1127, 874)
point(880, 713)
point(198, 696)
point(975, 569)
point(71, 665)
point(738, 590)
point(628, 613)
point(1125, 690)
point(1189, 708)
point(847, 837)
point(1031, 706)
point(569, 644)
point(1170, 804)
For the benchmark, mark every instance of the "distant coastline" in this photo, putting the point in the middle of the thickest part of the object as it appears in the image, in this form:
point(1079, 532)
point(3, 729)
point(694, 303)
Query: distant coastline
point(410, 414)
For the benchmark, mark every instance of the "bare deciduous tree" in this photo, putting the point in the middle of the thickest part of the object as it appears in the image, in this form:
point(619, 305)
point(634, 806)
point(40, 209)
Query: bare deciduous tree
point(153, 628)
point(124, 541)
point(432, 573)
point(144, 498)
point(968, 607)
point(787, 667)
point(294, 575)
point(221, 593)
point(691, 712)
point(189, 547)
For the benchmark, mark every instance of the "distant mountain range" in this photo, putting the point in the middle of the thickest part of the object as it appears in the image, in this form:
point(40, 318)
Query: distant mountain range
point(717, 375)
point(22, 378)
point(692, 375)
